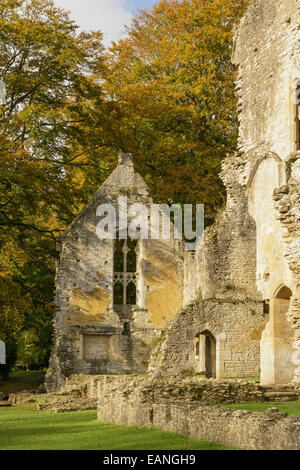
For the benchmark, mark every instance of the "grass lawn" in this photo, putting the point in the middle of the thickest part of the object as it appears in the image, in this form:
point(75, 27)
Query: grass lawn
point(291, 407)
point(25, 428)
point(22, 380)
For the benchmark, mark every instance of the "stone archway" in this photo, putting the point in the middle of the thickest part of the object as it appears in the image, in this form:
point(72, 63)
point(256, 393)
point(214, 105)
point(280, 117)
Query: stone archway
point(276, 343)
point(205, 354)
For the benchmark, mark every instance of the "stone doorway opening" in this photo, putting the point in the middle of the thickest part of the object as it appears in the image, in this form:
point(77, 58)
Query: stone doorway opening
point(205, 354)
point(276, 343)
point(283, 336)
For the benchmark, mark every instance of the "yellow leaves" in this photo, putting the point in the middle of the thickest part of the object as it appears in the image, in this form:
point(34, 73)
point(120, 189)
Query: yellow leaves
point(174, 83)
point(12, 258)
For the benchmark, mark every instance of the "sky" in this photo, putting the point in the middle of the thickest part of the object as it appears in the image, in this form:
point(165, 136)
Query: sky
point(109, 16)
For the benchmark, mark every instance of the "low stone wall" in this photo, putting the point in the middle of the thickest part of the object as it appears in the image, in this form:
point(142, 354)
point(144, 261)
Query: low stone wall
point(180, 408)
point(191, 389)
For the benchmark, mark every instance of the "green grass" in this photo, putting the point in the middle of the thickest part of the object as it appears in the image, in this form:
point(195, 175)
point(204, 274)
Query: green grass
point(25, 428)
point(20, 380)
point(291, 407)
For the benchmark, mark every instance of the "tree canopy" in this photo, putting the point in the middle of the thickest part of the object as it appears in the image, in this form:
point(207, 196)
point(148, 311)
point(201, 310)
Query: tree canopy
point(48, 147)
point(174, 82)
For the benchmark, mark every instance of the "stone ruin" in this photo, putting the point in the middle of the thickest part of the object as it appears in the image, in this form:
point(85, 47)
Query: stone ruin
point(230, 309)
point(113, 297)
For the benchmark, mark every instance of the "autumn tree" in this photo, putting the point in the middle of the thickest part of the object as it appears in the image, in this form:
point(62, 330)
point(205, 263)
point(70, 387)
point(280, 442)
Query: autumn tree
point(55, 149)
point(174, 81)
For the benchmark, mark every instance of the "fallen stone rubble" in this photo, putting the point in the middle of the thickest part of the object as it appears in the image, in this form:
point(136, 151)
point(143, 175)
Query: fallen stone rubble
point(57, 402)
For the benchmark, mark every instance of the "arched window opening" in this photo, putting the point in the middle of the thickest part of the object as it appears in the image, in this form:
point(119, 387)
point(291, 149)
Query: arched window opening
point(125, 272)
point(126, 328)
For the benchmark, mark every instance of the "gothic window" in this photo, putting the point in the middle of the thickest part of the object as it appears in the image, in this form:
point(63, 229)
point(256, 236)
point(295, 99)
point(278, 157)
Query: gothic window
point(298, 116)
point(125, 272)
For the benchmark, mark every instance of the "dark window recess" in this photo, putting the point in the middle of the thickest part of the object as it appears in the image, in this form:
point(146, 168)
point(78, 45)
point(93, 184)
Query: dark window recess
point(131, 293)
point(266, 306)
point(118, 293)
point(126, 328)
point(124, 272)
point(197, 352)
point(118, 255)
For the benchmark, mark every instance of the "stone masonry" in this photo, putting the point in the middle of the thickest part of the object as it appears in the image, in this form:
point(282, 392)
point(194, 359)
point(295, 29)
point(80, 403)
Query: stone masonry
point(266, 50)
point(236, 326)
point(230, 309)
point(252, 253)
point(95, 333)
point(182, 408)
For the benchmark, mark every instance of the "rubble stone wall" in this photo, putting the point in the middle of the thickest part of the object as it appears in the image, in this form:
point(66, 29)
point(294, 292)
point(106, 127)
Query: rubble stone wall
point(236, 326)
point(176, 407)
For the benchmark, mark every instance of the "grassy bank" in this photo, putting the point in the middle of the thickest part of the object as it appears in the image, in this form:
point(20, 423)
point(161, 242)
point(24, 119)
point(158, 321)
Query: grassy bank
point(25, 428)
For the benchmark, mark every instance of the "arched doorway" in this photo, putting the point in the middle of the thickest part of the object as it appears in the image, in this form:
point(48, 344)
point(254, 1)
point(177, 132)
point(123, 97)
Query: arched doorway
point(283, 335)
point(205, 354)
point(276, 343)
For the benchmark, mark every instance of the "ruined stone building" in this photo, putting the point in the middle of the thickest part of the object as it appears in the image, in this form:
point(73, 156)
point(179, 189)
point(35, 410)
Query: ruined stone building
point(232, 308)
point(113, 296)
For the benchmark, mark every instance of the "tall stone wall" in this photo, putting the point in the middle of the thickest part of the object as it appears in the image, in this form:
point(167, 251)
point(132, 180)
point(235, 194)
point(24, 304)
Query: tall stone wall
point(266, 48)
point(225, 265)
point(266, 51)
point(287, 204)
